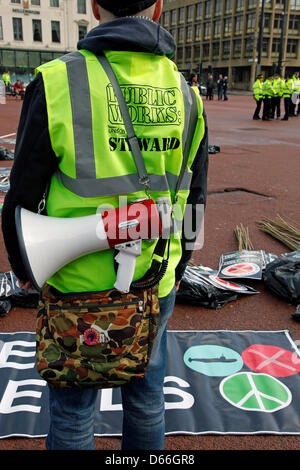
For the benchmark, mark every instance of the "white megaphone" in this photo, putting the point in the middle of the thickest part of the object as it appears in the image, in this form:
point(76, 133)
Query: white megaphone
point(48, 243)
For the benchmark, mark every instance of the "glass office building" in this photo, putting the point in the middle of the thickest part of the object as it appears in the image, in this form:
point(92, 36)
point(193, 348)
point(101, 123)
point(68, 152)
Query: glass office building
point(232, 37)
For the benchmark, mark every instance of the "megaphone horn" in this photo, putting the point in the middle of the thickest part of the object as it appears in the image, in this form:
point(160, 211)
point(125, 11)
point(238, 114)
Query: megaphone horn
point(49, 243)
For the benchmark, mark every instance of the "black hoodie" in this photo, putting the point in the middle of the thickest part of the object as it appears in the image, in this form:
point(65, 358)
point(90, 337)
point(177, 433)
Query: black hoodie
point(35, 161)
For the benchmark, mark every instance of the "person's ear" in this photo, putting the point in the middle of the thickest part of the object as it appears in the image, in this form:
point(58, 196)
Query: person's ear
point(158, 10)
point(95, 10)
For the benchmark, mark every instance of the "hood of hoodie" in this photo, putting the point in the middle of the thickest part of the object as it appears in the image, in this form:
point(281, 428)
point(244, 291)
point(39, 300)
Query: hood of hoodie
point(136, 34)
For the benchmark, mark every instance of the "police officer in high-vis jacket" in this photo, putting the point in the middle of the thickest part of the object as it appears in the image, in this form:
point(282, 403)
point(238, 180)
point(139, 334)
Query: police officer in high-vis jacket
point(287, 91)
point(276, 99)
point(268, 93)
point(258, 95)
point(72, 141)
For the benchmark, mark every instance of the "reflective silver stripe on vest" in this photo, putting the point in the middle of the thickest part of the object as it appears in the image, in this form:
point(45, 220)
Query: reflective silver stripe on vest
point(86, 187)
point(86, 184)
point(82, 121)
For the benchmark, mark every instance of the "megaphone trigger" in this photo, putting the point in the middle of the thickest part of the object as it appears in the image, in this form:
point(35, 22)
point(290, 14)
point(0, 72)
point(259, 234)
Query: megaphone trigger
point(126, 259)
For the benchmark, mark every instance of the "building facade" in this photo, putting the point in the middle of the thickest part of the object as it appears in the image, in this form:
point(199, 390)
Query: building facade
point(35, 31)
point(223, 36)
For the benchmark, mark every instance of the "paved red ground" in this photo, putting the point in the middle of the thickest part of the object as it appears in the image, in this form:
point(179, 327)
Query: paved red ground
point(261, 161)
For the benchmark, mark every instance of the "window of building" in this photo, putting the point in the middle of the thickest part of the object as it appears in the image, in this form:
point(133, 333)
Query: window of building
point(295, 4)
point(205, 50)
point(15, 1)
point(81, 6)
point(237, 47)
point(55, 31)
point(240, 4)
point(196, 52)
point(181, 15)
point(179, 53)
point(275, 45)
point(267, 21)
point(189, 33)
point(21, 59)
point(8, 58)
point(173, 32)
point(36, 2)
point(294, 23)
point(239, 23)
point(291, 48)
point(249, 46)
point(251, 3)
point(265, 46)
point(228, 6)
point(37, 30)
point(251, 21)
point(180, 34)
point(165, 18)
point(17, 29)
point(197, 31)
point(1, 29)
point(46, 56)
point(173, 16)
point(218, 7)
point(54, 3)
point(226, 48)
point(216, 49)
point(207, 29)
point(34, 59)
point(188, 52)
point(189, 12)
point(82, 30)
point(217, 27)
point(207, 8)
point(278, 21)
point(198, 10)
point(279, 2)
point(227, 25)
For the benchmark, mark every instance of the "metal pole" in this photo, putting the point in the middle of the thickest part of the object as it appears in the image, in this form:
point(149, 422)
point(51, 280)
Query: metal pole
point(282, 37)
point(260, 37)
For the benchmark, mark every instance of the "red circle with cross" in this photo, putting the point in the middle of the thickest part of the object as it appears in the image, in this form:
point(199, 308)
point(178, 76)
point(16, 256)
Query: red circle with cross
point(271, 360)
point(242, 269)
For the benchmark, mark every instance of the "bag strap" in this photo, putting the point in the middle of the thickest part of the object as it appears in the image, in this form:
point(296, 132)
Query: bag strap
point(190, 123)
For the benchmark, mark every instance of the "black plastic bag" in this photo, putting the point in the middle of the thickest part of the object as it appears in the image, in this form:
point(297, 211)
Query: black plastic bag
point(6, 154)
point(10, 291)
point(203, 294)
point(213, 149)
point(5, 307)
point(282, 277)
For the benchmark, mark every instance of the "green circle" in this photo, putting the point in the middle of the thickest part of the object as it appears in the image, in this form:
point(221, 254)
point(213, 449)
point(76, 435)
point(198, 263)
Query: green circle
point(255, 392)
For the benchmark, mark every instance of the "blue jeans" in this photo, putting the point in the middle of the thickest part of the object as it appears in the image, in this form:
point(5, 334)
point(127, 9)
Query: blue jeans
point(72, 410)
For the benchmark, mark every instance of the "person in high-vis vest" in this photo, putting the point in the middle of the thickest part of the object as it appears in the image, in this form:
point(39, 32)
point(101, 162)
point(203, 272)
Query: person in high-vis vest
point(287, 91)
point(258, 95)
point(295, 107)
point(268, 93)
point(276, 99)
point(71, 140)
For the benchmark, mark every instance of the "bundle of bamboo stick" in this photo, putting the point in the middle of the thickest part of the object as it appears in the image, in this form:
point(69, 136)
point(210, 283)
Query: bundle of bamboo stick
point(243, 238)
point(282, 231)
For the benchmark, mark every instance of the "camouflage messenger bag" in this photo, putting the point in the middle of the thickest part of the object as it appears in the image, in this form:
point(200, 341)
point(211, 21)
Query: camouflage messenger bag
point(98, 340)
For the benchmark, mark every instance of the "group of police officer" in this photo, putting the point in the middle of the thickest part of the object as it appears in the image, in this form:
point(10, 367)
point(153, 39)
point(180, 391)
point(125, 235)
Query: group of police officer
point(268, 91)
